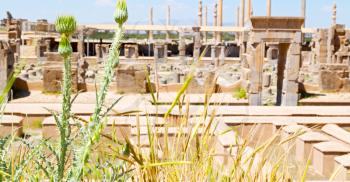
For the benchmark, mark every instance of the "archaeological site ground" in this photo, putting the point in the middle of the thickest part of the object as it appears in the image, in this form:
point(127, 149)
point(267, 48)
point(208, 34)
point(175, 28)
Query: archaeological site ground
point(264, 99)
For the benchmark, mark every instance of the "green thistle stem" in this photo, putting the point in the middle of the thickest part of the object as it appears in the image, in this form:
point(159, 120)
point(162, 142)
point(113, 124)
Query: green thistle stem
point(96, 125)
point(66, 108)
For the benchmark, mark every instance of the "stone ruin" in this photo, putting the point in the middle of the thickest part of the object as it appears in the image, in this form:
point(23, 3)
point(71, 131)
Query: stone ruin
point(7, 63)
point(285, 32)
point(270, 59)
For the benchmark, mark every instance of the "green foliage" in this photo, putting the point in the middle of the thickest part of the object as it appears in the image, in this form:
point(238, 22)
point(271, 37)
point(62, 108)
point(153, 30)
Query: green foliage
point(240, 93)
point(102, 35)
point(121, 12)
point(93, 131)
point(66, 25)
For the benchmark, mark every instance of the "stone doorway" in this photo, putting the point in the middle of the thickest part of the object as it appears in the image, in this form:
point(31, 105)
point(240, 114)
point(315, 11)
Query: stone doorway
point(285, 34)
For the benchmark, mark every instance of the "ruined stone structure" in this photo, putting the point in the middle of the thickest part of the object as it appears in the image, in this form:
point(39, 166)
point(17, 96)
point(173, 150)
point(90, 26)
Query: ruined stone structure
point(53, 72)
point(286, 32)
point(7, 61)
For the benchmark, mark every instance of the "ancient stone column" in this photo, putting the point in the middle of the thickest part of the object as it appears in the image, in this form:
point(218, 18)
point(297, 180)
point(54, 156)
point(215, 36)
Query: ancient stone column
point(303, 10)
point(48, 45)
point(205, 22)
point(215, 22)
point(222, 55)
point(168, 22)
point(290, 95)
point(98, 49)
point(331, 34)
point(220, 19)
point(197, 43)
point(242, 8)
point(249, 10)
point(4, 49)
point(268, 7)
point(200, 13)
point(150, 33)
point(237, 17)
point(255, 59)
point(182, 46)
point(334, 16)
point(81, 42)
point(269, 53)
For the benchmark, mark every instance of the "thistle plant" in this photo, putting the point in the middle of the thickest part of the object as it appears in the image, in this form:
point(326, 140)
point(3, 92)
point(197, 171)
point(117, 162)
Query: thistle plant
point(93, 131)
point(66, 26)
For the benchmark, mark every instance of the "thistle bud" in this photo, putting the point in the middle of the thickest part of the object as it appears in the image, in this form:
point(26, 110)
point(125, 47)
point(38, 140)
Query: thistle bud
point(66, 25)
point(121, 12)
point(64, 48)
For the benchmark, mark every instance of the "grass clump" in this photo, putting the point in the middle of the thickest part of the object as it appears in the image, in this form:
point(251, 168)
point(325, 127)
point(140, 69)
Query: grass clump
point(240, 93)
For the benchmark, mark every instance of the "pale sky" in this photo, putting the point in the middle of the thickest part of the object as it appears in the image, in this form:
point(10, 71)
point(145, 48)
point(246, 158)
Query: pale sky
point(182, 12)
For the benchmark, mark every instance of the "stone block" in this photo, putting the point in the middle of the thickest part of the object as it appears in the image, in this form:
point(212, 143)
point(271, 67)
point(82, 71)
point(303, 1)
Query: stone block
point(290, 99)
point(330, 82)
point(53, 76)
point(55, 57)
point(131, 79)
point(305, 142)
point(290, 86)
point(131, 51)
point(255, 99)
point(266, 80)
point(343, 164)
point(324, 154)
point(11, 125)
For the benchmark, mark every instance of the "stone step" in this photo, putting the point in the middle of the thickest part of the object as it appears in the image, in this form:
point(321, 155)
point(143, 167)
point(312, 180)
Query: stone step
point(304, 144)
point(337, 132)
point(119, 127)
point(289, 132)
point(324, 154)
point(304, 112)
point(11, 125)
point(343, 164)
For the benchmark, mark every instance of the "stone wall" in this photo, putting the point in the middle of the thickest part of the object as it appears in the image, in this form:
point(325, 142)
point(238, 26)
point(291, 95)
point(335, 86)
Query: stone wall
point(334, 78)
point(7, 61)
point(53, 72)
point(131, 78)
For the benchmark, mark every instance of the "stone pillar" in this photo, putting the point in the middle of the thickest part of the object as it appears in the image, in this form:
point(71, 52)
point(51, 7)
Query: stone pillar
point(290, 95)
point(303, 10)
point(131, 51)
point(268, 8)
point(334, 15)
point(168, 22)
point(255, 60)
point(205, 23)
point(81, 42)
point(220, 19)
point(200, 13)
point(249, 10)
point(330, 44)
point(98, 49)
point(182, 47)
point(222, 55)
point(18, 47)
point(3, 65)
point(269, 53)
point(197, 43)
point(242, 8)
point(215, 22)
point(150, 33)
point(237, 16)
point(48, 45)
point(213, 54)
